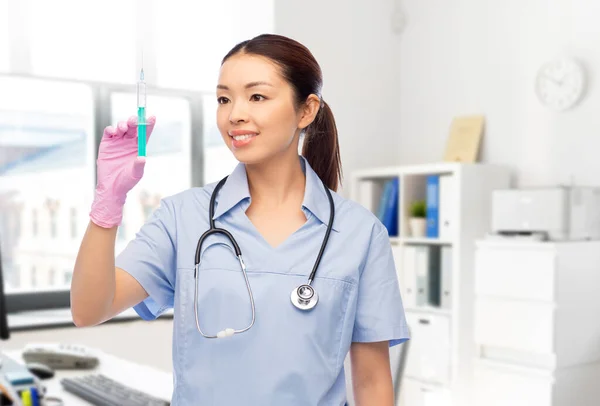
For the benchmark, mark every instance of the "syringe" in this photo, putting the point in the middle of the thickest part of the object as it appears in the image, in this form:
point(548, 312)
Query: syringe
point(141, 103)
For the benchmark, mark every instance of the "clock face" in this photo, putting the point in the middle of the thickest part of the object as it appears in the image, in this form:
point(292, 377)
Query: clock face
point(559, 84)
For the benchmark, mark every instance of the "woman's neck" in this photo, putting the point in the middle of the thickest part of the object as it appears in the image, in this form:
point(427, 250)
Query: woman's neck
point(278, 181)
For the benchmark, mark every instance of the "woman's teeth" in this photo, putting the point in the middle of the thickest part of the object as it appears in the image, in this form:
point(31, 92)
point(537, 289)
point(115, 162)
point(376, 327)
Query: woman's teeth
point(242, 137)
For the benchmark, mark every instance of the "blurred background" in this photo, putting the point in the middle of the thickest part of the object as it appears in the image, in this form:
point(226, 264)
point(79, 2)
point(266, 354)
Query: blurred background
point(397, 73)
point(68, 69)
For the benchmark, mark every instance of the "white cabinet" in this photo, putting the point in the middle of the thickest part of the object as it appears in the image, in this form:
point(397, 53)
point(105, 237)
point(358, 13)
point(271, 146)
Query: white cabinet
point(428, 357)
point(517, 272)
point(497, 385)
point(503, 384)
point(537, 323)
point(518, 325)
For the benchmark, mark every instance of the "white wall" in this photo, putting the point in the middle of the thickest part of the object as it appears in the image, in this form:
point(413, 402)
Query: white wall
point(481, 56)
point(356, 48)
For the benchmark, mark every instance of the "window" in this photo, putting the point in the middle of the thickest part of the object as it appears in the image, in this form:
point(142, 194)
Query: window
point(10, 213)
point(34, 223)
point(13, 275)
point(33, 277)
point(73, 215)
point(148, 204)
point(122, 231)
point(52, 207)
point(15, 231)
point(50, 128)
point(46, 162)
point(67, 276)
point(53, 224)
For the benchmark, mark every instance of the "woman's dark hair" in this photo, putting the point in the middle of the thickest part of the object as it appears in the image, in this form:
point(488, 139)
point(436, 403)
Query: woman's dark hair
point(300, 69)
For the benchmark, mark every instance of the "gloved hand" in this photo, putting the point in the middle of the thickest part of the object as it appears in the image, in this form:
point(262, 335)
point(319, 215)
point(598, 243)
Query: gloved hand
point(119, 170)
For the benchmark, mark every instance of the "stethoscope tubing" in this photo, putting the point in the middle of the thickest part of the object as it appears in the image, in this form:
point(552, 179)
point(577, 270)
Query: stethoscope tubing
point(300, 299)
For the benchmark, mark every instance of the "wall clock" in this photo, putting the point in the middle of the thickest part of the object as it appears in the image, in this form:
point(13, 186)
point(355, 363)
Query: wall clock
point(560, 84)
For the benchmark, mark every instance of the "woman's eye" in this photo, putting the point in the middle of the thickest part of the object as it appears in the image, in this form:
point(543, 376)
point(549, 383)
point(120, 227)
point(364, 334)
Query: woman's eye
point(222, 100)
point(257, 97)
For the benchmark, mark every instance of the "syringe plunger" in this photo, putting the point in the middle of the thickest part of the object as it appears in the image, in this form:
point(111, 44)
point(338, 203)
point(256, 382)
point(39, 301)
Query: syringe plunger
point(141, 90)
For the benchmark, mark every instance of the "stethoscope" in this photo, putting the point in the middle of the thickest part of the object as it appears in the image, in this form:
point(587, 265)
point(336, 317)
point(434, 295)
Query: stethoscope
point(304, 297)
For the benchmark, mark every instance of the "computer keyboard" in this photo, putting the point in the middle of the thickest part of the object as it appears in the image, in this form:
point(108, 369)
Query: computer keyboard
point(103, 391)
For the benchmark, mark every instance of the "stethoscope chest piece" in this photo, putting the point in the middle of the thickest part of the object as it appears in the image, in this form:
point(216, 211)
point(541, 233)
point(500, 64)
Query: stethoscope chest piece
point(304, 297)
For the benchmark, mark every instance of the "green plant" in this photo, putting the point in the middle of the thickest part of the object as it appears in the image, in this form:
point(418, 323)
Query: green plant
point(418, 209)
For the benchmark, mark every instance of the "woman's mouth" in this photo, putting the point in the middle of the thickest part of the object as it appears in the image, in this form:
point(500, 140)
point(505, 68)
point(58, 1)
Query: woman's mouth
point(242, 138)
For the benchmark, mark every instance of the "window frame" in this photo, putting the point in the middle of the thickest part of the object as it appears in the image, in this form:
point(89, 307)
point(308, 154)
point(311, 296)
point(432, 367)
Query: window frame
point(34, 300)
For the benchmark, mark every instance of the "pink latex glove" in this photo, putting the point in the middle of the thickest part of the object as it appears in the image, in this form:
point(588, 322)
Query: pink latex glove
point(119, 170)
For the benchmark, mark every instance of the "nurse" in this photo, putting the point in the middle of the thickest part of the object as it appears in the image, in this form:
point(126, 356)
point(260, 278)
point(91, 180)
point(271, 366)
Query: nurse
point(276, 207)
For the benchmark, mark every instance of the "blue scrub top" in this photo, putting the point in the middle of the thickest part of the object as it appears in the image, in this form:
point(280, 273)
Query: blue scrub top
point(289, 357)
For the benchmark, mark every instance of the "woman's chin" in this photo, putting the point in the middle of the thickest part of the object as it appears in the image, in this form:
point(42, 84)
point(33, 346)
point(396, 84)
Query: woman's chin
point(248, 155)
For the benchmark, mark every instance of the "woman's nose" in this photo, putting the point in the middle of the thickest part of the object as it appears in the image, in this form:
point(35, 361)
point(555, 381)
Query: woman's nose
point(238, 113)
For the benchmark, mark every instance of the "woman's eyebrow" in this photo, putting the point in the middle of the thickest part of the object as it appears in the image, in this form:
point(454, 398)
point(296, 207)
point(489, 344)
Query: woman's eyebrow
point(248, 86)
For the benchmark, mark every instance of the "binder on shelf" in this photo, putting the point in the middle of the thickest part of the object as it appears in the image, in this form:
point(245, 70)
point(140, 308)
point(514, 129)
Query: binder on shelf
point(432, 201)
point(426, 276)
point(434, 276)
point(446, 277)
point(422, 275)
point(409, 276)
point(388, 206)
point(385, 195)
point(446, 205)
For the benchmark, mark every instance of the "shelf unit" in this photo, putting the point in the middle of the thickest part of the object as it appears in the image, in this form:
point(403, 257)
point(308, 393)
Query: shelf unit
point(439, 362)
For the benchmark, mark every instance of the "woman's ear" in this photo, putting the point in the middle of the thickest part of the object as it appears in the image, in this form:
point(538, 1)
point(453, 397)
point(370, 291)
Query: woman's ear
point(309, 111)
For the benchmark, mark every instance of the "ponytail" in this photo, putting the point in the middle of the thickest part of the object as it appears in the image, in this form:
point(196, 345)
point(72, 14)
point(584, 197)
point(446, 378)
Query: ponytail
point(321, 148)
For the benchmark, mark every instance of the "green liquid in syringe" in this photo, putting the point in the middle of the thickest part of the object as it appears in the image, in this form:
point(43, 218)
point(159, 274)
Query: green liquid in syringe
point(141, 131)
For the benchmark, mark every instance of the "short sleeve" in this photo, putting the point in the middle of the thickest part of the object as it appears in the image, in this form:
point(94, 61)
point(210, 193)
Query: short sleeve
point(151, 259)
point(380, 312)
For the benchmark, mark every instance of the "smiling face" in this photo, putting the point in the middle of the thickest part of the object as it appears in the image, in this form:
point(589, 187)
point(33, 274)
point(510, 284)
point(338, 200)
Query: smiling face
point(257, 116)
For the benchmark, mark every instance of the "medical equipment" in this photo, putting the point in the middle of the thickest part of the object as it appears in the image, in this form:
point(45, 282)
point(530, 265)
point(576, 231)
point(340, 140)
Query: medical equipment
point(61, 355)
point(556, 213)
point(304, 297)
point(141, 105)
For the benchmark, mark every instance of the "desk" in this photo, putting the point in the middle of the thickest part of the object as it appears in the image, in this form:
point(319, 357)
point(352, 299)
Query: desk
point(144, 378)
point(52, 318)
